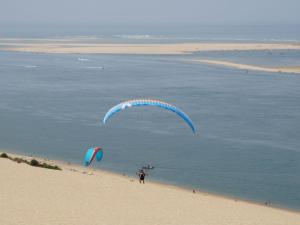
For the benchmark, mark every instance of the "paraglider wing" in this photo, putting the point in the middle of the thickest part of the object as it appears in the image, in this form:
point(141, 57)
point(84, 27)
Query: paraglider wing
point(145, 102)
point(91, 153)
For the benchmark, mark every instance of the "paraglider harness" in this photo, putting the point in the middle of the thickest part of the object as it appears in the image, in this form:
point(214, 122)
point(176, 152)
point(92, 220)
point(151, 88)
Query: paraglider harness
point(142, 172)
point(142, 175)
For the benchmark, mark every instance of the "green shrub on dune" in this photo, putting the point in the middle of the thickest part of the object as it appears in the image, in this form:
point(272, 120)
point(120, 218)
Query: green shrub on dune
point(36, 163)
point(19, 160)
point(32, 162)
point(4, 155)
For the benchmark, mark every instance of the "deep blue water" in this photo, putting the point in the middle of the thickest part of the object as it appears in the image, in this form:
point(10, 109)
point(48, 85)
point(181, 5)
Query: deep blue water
point(248, 140)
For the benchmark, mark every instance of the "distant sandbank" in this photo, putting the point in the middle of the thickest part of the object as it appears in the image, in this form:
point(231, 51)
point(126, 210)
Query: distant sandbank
point(80, 195)
point(86, 47)
point(292, 69)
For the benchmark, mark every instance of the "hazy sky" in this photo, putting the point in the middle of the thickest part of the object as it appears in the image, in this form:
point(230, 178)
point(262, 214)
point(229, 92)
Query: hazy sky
point(152, 11)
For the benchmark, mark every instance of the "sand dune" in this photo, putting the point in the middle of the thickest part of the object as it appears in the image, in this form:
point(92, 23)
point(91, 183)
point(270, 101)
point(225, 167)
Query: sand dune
point(76, 195)
point(77, 46)
point(250, 67)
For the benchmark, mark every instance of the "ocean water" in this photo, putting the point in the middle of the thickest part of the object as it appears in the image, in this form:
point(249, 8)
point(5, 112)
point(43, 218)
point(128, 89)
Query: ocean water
point(154, 33)
point(248, 124)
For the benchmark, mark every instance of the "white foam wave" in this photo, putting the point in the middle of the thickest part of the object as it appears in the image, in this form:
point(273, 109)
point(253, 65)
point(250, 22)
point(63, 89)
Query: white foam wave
point(199, 38)
point(28, 66)
point(82, 59)
point(141, 37)
point(95, 67)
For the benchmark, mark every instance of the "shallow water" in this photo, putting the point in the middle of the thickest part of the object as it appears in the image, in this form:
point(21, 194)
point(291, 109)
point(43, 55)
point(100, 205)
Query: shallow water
point(247, 144)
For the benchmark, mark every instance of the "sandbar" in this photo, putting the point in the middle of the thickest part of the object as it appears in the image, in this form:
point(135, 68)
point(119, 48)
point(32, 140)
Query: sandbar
point(87, 47)
point(292, 69)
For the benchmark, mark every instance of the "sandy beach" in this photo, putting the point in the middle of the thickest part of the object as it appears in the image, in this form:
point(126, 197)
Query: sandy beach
point(86, 47)
point(78, 195)
point(249, 67)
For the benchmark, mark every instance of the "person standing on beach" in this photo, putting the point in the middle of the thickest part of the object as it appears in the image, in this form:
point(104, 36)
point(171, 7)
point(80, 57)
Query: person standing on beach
point(142, 176)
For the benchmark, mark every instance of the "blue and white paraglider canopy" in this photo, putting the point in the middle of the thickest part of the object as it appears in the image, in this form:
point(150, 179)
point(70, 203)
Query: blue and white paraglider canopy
point(149, 102)
point(92, 153)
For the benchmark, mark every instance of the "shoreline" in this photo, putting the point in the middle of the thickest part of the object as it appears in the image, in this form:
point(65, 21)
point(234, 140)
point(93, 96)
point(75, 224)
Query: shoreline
point(74, 167)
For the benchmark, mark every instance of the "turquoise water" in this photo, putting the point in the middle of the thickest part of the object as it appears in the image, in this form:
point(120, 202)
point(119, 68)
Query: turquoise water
point(247, 145)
